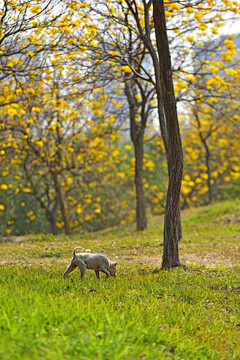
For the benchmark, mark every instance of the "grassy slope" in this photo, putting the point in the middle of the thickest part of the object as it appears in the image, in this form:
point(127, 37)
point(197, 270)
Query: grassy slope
point(145, 313)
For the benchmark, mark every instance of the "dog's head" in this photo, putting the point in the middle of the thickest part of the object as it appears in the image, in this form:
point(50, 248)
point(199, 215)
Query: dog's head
point(113, 269)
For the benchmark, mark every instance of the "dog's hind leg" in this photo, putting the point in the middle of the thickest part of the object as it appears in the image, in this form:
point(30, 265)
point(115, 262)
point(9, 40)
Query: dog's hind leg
point(97, 274)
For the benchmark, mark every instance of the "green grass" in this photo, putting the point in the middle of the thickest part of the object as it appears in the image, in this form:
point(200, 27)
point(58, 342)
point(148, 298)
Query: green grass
point(144, 313)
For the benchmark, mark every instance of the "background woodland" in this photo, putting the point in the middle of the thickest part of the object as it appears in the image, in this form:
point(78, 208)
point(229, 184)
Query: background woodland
point(80, 141)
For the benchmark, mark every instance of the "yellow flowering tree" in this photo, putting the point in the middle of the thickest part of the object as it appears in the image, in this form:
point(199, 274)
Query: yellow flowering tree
point(58, 110)
point(211, 134)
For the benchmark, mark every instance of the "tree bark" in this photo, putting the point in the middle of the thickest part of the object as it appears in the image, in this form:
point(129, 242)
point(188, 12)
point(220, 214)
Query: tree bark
point(61, 200)
point(174, 153)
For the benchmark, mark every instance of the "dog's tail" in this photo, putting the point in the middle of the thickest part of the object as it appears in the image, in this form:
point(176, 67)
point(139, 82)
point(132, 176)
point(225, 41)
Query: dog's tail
point(74, 251)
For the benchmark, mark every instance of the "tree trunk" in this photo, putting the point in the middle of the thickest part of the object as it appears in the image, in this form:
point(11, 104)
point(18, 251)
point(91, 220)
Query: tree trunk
point(174, 154)
point(137, 133)
point(61, 200)
point(207, 155)
point(141, 205)
point(51, 217)
point(208, 166)
point(210, 192)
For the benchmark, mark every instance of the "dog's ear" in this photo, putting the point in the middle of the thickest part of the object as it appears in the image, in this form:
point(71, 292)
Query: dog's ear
point(115, 263)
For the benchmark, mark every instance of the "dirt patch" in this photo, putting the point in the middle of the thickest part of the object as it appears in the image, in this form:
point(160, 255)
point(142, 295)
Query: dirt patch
point(23, 251)
point(232, 219)
point(13, 239)
point(186, 259)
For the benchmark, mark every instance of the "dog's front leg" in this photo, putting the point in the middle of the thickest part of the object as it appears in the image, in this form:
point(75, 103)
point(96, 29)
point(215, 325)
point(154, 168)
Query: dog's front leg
point(82, 269)
point(105, 271)
point(69, 270)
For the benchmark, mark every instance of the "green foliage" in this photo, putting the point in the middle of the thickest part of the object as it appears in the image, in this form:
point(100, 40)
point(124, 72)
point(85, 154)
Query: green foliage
point(230, 191)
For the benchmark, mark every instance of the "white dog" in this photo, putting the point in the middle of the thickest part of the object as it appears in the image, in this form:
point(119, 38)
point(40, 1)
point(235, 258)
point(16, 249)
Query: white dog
point(96, 262)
